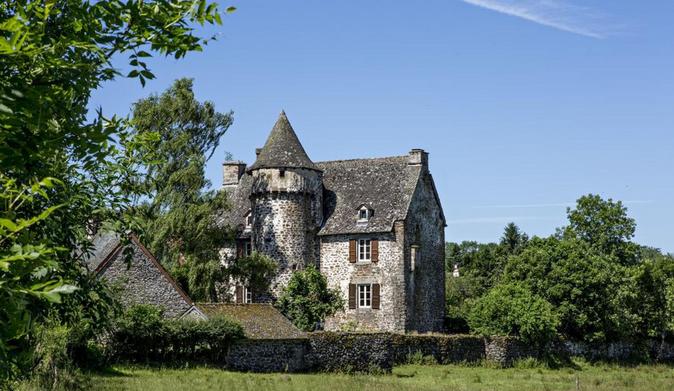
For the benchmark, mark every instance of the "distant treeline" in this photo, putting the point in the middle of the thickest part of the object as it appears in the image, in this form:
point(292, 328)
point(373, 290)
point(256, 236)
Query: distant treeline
point(588, 282)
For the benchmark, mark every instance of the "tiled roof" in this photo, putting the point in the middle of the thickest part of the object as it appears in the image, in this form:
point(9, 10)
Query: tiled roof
point(385, 185)
point(283, 149)
point(259, 321)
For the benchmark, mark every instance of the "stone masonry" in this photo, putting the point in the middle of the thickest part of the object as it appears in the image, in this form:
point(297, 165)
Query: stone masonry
point(373, 227)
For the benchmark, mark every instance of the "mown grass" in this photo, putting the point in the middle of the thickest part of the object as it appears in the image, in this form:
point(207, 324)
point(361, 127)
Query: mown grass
point(409, 377)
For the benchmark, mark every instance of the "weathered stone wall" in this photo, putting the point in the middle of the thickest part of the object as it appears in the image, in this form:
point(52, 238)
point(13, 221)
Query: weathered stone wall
point(268, 355)
point(145, 283)
point(344, 352)
point(445, 349)
point(286, 214)
point(387, 272)
point(424, 229)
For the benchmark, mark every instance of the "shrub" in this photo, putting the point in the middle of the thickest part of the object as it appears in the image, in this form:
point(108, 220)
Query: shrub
point(512, 309)
point(143, 335)
point(306, 301)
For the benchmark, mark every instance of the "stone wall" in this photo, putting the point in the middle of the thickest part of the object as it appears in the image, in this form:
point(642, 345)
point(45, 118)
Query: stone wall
point(344, 352)
point(424, 229)
point(268, 355)
point(387, 272)
point(144, 281)
point(286, 215)
point(445, 349)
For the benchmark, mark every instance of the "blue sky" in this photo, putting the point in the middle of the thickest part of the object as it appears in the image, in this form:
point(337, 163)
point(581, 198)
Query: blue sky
point(523, 105)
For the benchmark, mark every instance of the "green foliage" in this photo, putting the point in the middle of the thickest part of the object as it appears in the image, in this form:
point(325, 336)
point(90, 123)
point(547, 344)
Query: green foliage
point(580, 283)
point(254, 271)
point(306, 300)
point(512, 309)
point(178, 219)
point(53, 54)
point(603, 224)
point(143, 335)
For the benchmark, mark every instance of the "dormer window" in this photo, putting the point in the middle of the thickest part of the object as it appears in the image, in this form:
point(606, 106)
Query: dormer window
point(364, 214)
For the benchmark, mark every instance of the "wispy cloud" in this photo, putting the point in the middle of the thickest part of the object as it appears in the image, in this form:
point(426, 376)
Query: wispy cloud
point(552, 205)
point(498, 219)
point(558, 14)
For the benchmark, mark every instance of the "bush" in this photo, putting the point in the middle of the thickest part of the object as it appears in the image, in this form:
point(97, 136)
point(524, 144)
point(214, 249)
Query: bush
point(512, 310)
point(306, 301)
point(143, 335)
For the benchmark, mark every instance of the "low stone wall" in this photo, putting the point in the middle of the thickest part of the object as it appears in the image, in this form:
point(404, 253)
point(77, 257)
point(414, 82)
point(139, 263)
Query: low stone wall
point(445, 349)
point(379, 352)
point(505, 351)
point(268, 355)
point(348, 352)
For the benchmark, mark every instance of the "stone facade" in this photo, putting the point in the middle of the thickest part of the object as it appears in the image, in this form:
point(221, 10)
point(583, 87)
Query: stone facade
point(301, 213)
point(143, 280)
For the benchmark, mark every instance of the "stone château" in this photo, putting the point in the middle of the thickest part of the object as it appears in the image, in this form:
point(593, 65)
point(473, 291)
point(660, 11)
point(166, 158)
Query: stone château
point(374, 227)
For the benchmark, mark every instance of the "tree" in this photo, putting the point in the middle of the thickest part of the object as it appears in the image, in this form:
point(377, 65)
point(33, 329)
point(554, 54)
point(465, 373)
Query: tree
point(513, 240)
point(512, 309)
point(603, 224)
point(179, 217)
point(53, 53)
point(307, 301)
point(579, 282)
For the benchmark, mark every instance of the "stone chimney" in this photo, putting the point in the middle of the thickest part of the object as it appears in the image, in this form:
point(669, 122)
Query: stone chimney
point(232, 172)
point(418, 157)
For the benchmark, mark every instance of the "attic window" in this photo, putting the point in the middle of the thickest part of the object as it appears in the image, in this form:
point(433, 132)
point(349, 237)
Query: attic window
point(364, 214)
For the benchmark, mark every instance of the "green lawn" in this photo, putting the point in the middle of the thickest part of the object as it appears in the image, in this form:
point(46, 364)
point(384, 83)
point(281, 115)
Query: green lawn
point(409, 377)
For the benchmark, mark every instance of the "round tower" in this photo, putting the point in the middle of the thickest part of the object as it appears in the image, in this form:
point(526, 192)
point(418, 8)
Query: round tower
point(286, 203)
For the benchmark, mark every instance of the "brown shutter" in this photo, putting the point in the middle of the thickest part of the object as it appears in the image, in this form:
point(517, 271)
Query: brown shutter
point(239, 294)
point(352, 250)
point(352, 296)
point(375, 297)
point(239, 249)
point(374, 243)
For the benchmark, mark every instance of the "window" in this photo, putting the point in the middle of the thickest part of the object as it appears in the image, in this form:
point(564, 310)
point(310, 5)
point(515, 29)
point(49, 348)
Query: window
point(364, 214)
point(249, 220)
point(364, 296)
point(247, 248)
point(248, 295)
point(364, 250)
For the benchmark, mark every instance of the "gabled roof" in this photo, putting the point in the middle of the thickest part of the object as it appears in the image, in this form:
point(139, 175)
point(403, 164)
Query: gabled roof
point(108, 249)
point(259, 321)
point(283, 149)
point(385, 185)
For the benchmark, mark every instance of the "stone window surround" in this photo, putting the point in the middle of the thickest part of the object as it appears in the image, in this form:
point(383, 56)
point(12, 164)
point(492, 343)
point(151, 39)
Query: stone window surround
point(364, 251)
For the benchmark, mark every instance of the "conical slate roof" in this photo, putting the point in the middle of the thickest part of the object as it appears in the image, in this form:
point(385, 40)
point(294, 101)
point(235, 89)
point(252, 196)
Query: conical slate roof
point(283, 149)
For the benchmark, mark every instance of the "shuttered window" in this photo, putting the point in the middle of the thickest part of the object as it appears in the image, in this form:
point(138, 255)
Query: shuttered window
point(375, 250)
point(376, 300)
point(364, 250)
point(364, 296)
point(352, 296)
point(239, 294)
point(352, 250)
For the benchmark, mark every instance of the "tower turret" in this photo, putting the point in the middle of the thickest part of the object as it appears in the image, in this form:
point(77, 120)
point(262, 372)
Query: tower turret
point(286, 202)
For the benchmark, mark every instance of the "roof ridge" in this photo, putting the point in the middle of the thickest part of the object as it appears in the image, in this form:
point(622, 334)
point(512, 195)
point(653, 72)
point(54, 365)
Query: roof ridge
point(358, 159)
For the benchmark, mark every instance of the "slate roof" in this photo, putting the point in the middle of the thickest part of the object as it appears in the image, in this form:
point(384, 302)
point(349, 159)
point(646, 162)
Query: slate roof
point(283, 149)
point(104, 242)
point(385, 185)
point(259, 321)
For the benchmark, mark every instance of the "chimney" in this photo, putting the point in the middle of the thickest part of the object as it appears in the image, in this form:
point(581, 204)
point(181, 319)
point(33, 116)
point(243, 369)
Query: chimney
point(257, 151)
point(232, 172)
point(418, 157)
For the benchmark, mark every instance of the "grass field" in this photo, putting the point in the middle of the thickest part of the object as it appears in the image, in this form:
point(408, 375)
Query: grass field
point(409, 377)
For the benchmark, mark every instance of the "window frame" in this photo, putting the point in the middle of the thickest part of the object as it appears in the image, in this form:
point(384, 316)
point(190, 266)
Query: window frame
point(364, 250)
point(247, 248)
point(248, 220)
point(364, 296)
point(363, 211)
point(247, 295)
